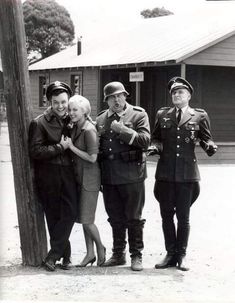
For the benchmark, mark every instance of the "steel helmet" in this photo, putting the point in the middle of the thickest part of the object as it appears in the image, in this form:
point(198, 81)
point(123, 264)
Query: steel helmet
point(113, 88)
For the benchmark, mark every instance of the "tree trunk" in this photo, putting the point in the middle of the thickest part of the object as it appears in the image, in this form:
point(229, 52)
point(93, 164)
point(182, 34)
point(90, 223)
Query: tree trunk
point(19, 113)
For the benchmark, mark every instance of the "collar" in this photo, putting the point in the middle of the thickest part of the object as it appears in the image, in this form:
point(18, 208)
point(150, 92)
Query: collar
point(120, 114)
point(183, 109)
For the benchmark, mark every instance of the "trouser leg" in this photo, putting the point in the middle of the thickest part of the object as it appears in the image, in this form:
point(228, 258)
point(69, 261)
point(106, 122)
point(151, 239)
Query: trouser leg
point(186, 195)
point(165, 194)
point(60, 210)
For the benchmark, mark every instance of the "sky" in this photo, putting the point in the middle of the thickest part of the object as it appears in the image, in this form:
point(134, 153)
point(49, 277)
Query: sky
point(92, 17)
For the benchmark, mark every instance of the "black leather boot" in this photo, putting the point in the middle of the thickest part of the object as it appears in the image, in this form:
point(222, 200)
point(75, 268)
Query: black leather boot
point(119, 245)
point(169, 232)
point(182, 243)
point(169, 261)
point(115, 260)
point(66, 260)
point(182, 263)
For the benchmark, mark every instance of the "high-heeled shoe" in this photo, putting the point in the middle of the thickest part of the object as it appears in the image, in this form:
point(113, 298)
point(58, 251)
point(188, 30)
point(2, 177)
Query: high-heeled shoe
point(91, 261)
point(102, 261)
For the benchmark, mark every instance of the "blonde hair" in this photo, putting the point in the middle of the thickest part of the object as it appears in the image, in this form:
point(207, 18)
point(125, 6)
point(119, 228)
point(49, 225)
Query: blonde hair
point(83, 103)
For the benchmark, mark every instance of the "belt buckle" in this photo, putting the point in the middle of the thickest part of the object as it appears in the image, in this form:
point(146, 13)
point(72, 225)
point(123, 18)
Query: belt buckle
point(111, 157)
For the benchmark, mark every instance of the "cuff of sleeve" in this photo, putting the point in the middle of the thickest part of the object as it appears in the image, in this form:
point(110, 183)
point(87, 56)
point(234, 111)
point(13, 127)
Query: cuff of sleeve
point(60, 147)
point(132, 138)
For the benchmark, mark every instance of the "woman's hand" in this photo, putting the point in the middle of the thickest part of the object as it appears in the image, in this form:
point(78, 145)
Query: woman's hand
point(70, 143)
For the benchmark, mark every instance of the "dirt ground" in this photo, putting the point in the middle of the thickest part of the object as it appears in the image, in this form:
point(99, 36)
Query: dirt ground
point(211, 251)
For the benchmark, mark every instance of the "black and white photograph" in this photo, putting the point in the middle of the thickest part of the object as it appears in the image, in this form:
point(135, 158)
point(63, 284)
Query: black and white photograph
point(117, 151)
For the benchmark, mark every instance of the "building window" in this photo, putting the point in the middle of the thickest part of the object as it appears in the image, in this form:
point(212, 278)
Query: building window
point(76, 84)
point(42, 91)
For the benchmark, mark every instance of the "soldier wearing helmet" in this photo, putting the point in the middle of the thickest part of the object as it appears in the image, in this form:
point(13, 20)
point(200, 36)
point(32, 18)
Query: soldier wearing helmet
point(176, 132)
point(124, 137)
point(54, 177)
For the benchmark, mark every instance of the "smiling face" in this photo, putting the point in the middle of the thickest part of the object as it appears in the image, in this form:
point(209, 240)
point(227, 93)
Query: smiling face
point(117, 102)
point(76, 112)
point(59, 104)
point(180, 97)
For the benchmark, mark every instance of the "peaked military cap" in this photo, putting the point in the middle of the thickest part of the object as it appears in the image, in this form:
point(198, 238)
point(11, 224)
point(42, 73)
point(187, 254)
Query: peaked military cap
point(178, 82)
point(58, 85)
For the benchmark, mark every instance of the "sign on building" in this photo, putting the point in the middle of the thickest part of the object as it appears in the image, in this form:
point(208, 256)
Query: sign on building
point(136, 76)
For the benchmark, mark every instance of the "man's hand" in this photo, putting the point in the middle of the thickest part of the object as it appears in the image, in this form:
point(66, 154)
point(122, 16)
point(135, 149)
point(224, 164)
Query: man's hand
point(212, 149)
point(117, 126)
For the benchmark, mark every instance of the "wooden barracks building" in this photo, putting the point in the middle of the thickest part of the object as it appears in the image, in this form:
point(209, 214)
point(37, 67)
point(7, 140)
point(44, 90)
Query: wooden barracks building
point(144, 58)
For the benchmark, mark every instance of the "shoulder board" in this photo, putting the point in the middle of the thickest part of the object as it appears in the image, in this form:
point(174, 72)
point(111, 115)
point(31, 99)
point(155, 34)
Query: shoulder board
point(100, 113)
point(38, 117)
point(199, 110)
point(140, 109)
point(164, 108)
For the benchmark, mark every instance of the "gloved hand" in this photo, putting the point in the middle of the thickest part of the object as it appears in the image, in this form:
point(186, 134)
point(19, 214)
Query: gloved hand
point(153, 150)
point(212, 149)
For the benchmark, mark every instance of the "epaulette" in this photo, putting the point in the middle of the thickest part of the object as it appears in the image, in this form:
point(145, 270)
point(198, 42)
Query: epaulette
point(38, 117)
point(140, 109)
point(100, 113)
point(164, 108)
point(199, 110)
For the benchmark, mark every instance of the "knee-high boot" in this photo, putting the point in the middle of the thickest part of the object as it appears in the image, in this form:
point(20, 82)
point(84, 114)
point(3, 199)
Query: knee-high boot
point(119, 246)
point(169, 233)
point(181, 246)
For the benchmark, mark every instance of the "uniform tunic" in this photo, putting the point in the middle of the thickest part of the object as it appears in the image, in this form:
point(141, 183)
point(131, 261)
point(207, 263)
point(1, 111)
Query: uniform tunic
point(87, 173)
point(176, 143)
point(123, 163)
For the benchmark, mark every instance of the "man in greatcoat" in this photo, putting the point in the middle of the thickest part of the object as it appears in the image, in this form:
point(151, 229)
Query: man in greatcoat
point(176, 131)
point(124, 138)
point(54, 178)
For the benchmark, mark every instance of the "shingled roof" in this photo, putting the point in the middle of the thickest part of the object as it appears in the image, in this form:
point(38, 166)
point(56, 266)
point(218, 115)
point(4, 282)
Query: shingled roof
point(163, 40)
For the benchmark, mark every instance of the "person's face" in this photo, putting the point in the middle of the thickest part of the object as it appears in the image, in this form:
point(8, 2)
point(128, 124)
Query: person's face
point(76, 112)
point(180, 97)
point(117, 102)
point(59, 104)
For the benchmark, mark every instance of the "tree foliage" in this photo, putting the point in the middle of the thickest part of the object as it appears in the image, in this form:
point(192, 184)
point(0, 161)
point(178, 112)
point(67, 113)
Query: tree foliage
point(48, 27)
point(155, 12)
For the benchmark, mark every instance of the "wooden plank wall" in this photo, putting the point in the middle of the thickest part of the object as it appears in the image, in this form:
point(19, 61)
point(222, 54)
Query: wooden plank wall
point(221, 54)
point(90, 87)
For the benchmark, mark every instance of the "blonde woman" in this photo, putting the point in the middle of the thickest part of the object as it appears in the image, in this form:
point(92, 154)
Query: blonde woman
point(84, 145)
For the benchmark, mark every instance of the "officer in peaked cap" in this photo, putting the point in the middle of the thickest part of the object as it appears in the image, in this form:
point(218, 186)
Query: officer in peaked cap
point(177, 130)
point(58, 86)
point(124, 137)
point(54, 175)
point(178, 82)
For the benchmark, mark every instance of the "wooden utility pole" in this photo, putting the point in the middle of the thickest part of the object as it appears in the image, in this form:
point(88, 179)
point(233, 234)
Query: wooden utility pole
point(19, 113)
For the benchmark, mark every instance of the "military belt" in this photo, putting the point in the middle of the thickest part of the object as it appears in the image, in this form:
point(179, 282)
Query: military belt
point(128, 156)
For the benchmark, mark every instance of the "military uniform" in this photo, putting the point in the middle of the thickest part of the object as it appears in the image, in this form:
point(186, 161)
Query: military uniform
point(54, 179)
point(177, 175)
point(122, 160)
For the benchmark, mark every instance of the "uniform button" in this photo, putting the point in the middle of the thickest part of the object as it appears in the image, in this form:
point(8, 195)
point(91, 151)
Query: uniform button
point(110, 140)
point(110, 149)
point(178, 146)
point(111, 131)
point(177, 155)
point(194, 160)
point(178, 128)
point(178, 137)
point(164, 126)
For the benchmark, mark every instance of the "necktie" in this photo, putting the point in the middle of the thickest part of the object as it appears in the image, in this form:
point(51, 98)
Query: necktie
point(179, 115)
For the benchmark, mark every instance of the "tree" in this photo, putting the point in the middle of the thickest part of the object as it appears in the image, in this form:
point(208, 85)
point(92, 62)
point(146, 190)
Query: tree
point(155, 12)
point(48, 27)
